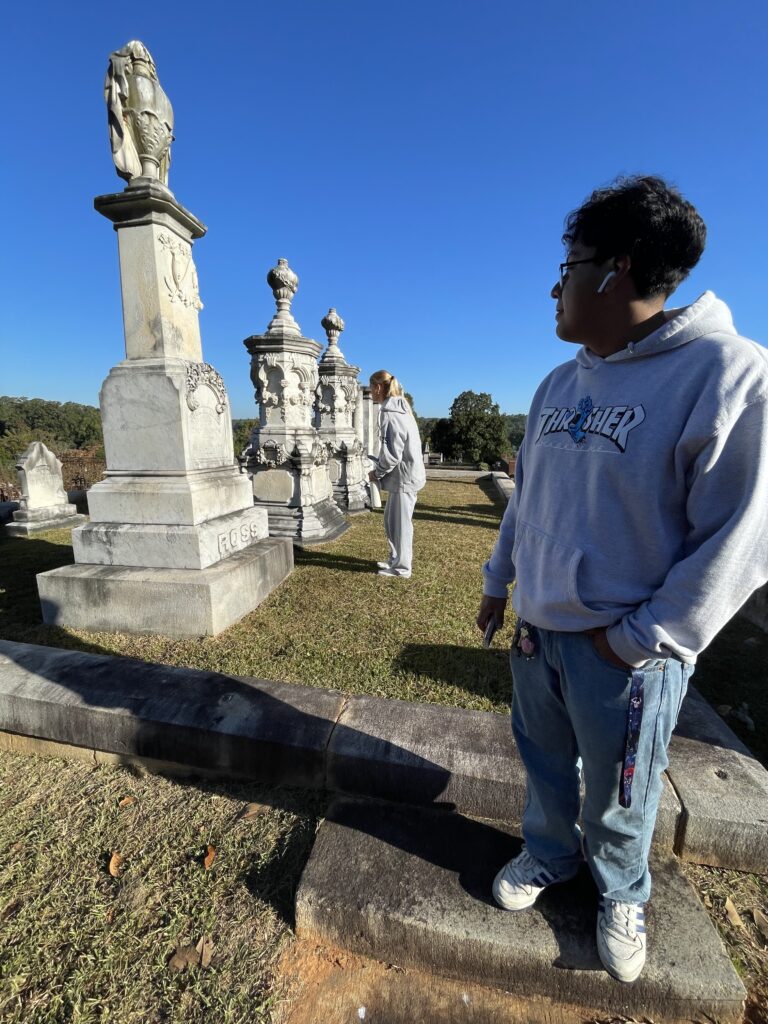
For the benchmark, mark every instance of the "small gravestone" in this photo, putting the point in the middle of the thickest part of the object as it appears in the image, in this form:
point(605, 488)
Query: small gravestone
point(44, 504)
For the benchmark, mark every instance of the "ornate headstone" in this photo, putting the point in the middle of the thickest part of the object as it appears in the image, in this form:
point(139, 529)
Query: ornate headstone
point(44, 504)
point(336, 406)
point(286, 458)
point(175, 544)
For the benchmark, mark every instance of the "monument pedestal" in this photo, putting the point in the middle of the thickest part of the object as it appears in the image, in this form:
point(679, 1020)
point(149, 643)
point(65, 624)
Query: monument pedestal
point(174, 544)
point(173, 602)
point(287, 459)
point(337, 406)
point(60, 517)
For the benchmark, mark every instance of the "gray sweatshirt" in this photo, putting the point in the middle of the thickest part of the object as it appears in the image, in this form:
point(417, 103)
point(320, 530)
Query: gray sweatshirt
point(641, 497)
point(399, 465)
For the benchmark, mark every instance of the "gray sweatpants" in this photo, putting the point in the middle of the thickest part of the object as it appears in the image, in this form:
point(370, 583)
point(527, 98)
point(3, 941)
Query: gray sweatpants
point(398, 526)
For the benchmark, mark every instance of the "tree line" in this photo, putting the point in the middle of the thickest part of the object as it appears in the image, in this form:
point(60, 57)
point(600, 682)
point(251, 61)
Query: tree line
point(61, 426)
point(475, 431)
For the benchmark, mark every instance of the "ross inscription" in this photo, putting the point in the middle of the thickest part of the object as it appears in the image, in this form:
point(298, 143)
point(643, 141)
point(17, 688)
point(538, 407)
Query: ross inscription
point(238, 537)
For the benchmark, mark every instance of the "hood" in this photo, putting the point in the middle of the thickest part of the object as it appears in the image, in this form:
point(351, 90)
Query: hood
point(395, 404)
point(707, 315)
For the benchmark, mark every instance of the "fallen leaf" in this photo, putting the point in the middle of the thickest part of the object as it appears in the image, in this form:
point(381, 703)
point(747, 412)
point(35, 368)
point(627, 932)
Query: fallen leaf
point(110, 915)
point(10, 909)
point(115, 862)
point(205, 948)
point(209, 858)
point(761, 921)
point(252, 811)
point(184, 956)
point(732, 913)
point(127, 801)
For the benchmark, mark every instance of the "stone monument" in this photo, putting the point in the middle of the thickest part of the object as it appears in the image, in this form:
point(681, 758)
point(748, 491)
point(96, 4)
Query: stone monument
point(44, 504)
point(175, 544)
point(286, 458)
point(336, 406)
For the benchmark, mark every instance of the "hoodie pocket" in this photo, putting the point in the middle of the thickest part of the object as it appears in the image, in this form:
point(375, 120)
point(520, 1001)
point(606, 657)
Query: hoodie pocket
point(546, 571)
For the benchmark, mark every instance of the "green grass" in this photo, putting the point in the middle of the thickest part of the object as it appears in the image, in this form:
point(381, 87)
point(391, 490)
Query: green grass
point(333, 622)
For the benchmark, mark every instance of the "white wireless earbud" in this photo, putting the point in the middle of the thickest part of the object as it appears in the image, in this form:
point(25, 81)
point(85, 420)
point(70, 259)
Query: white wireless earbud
point(606, 279)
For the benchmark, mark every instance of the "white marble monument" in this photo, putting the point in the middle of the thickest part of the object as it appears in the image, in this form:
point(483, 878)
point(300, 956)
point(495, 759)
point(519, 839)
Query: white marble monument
point(175, 544)
point(287, 459)
point(336, 406)
point(44, 504)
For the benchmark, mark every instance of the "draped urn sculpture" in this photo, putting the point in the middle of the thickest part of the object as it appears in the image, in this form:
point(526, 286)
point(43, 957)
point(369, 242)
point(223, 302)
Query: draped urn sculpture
point(175, 544)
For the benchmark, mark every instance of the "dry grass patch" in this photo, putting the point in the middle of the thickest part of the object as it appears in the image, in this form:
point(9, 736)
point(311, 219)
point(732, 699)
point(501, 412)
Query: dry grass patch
point(88, 937)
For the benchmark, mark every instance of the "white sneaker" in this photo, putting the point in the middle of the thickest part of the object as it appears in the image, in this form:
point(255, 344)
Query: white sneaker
point(520, 882)
point(395, 572)
point(383, 565)
point(621, 938)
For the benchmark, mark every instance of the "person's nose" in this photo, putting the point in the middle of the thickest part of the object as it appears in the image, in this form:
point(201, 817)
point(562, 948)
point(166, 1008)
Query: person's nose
point(557, 290)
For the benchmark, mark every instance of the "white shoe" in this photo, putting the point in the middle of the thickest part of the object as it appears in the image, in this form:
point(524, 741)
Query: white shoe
point(520, 882)
point(395, 572)
point(621, 938)
point(383, 565)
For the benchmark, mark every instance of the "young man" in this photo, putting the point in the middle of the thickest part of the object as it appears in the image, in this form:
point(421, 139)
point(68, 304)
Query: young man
point(638, 526)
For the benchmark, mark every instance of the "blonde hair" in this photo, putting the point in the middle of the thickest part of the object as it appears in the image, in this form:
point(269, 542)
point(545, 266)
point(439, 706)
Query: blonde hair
point(393, 386)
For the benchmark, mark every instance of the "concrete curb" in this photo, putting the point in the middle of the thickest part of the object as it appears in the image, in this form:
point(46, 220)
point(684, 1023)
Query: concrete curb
point(411, 886)
point(288, 734)
point(503, 484)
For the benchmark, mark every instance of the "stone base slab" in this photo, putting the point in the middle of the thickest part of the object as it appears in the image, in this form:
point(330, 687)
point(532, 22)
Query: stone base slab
point(24, 529)
point(412, 887)
point(307, 524)
point(172, 602)
point(181, 499)
point(169, 547)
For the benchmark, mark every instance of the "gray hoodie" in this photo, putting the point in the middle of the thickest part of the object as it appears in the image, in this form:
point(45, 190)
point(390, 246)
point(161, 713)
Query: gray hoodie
point(641, 498)
point(399, 465)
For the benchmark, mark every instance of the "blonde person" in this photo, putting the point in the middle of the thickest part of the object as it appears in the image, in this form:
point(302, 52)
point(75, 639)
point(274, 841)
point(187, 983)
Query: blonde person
point(398, 469)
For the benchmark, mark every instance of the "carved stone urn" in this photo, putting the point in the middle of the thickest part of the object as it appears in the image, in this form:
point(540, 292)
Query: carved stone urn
point(286, 458)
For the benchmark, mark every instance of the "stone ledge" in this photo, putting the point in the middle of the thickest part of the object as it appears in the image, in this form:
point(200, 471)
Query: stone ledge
point(723, 789)
point(503, 484)
point(28, 527)
point(411, 886)
point(373, 747)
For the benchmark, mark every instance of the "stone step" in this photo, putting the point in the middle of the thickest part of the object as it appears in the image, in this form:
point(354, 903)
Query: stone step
point(713, 807)
point(411, 887)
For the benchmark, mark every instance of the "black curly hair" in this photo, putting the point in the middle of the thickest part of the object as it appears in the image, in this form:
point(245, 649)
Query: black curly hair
point(646, 219)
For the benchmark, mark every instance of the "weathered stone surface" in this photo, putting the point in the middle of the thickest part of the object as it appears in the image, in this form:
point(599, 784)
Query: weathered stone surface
point(286, 456)
point(173, 602)
point(275, 732)
point(173, 547)
point(457, 474)
point(175, 500)
point(44, 504)
point(411, 886)
point(425, 753)
point(723, 789)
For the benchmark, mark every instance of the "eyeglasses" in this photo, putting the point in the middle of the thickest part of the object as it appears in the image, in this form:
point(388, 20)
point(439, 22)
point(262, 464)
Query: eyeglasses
point(565, 267)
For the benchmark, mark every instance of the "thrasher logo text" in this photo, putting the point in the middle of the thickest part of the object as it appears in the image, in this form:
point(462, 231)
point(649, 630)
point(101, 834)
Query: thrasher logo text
point(613, 422)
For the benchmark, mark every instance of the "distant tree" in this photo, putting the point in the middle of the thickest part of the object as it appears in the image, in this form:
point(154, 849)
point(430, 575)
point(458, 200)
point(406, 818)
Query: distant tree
point(409, 399)
point(426, 425)
point(241, 433)
point(66, 426)
point(514, 424)
point(478, 427)
point(443, 439)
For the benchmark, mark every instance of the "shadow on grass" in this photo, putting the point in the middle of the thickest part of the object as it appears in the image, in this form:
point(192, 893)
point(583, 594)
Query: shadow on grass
point(332, 560)
point(448, 519)
point(485, 673)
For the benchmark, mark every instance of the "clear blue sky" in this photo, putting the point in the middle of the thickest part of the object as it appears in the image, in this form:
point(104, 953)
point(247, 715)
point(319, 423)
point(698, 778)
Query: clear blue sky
point(413, 160)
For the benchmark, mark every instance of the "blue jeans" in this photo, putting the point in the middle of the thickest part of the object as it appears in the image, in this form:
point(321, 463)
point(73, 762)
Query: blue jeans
point(571, 705)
